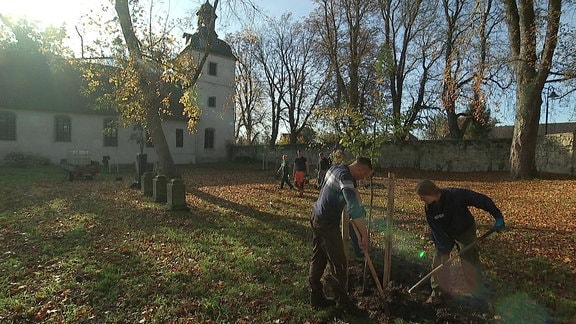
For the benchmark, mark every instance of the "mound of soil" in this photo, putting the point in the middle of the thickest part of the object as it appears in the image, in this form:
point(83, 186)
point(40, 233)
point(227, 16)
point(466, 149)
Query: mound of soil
point(399, 305)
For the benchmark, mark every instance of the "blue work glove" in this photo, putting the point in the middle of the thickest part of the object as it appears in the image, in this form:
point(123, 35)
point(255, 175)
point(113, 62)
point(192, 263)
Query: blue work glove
point(499, 224)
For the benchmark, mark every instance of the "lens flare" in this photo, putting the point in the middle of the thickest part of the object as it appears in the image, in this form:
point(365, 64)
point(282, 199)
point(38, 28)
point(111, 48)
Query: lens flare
point(421, 254)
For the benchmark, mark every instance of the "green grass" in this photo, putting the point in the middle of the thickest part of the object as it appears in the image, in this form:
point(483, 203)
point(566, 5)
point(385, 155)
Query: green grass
point(94, 250)
point(23, 176)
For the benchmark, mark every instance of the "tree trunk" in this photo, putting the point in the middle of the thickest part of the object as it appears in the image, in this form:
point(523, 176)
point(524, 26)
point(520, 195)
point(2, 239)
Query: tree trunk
point(161, 147)
point(531, 67)
point(523, 149)
point(154, 122)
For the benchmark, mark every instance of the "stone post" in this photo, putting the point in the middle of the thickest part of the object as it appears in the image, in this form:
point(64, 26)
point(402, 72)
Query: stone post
point(141, 166)
point(176, 195)
point(159, 189)
point(146, 184)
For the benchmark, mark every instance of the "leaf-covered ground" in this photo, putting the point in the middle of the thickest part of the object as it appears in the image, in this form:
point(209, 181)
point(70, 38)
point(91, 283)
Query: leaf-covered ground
point(97, 251)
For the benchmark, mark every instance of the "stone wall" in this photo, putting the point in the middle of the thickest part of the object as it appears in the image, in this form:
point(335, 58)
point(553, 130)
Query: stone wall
point(554, 154)
point(448, 155)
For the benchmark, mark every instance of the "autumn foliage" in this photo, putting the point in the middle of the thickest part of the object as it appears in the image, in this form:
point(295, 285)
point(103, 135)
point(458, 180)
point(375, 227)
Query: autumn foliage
point(96, 250)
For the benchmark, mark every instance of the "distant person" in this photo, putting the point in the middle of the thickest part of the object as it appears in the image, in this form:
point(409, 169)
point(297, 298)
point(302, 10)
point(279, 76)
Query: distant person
point(337, 192)
point(284, 170)
point(322, 167)
point(452, 223)
point(301, 171)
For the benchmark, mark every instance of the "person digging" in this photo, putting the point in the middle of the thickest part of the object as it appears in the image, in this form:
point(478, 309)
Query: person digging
point(452, 223)
point(337, 192)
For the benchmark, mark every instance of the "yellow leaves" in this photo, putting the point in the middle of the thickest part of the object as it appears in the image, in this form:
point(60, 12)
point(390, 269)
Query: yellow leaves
point(191, 109)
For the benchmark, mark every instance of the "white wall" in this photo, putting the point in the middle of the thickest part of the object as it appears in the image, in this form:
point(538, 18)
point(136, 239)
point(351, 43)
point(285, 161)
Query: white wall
point(35, 133)
point(221, 118)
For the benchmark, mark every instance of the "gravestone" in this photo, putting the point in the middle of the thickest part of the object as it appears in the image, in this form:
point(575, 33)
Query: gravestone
point(176, 195)
point(146, 184)
point(160, 189)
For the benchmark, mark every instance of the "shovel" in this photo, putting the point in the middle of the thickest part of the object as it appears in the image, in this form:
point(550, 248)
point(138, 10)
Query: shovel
point(368, 260)
point(443, 264)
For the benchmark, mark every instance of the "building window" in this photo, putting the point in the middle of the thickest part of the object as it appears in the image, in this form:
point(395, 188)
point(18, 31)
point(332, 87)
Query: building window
point(212, 102)
point(209, 138)
point(179, 137)
point(7, 126)
point(212, 69)
point(110, 132)
point(63, 126)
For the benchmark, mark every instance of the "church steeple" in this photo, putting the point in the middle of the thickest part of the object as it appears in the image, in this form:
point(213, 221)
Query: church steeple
point(203, 37)
point(205, 14)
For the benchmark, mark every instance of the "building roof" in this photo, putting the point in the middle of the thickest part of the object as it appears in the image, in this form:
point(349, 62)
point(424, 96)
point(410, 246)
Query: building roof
point(553, 128)
point(198, 42)
point(32, 82)
point(29, 81)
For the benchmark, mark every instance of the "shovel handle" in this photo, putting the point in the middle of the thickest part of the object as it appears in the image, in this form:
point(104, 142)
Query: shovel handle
point(369, 262)
point(440, 266)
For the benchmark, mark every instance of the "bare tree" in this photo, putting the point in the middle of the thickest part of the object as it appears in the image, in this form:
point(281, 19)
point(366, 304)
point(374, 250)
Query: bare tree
point(276, 84)
point(532, 67)
point(296, 78)
point(469, 26)
point(412, 48)
point(348, 31)
point(307, 75)
point(250, 93)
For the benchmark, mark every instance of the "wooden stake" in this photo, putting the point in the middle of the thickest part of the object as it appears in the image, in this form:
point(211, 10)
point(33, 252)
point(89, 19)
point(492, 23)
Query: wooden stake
point(368, 226)
point(346, 240)
point(389, 221)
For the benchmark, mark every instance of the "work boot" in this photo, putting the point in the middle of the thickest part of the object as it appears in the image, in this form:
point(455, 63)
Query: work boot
point(434, 300)
point(319, 300)
point(437, 297)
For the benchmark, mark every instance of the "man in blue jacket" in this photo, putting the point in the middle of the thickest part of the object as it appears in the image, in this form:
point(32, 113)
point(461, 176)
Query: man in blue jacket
point(337, 192)
point(452, 223)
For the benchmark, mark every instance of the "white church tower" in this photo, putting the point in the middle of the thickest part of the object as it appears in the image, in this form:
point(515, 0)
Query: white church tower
point(215, 89)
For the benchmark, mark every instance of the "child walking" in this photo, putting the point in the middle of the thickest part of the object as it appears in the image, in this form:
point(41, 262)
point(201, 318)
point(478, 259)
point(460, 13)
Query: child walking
point(285, 172)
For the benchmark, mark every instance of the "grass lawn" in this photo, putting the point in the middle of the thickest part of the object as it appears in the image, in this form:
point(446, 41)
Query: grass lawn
point(98, 251)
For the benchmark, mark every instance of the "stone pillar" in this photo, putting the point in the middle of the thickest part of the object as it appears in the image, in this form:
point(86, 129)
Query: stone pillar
point(141, 166)
point(176, 195)
point(159, 189)
point(146, 184)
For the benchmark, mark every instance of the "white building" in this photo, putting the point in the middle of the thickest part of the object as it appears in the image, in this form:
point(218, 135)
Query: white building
point(42, 112)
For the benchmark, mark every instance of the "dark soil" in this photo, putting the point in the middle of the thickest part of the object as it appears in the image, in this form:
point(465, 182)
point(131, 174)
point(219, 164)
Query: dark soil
point(397, 305)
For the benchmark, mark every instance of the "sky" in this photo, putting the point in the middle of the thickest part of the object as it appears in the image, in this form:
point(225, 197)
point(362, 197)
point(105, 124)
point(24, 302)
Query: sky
point(70, 12)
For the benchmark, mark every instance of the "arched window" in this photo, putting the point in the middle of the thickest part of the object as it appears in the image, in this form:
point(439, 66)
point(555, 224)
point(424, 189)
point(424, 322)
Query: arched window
point(209, 138)
point(7, 126)
point(63, 128)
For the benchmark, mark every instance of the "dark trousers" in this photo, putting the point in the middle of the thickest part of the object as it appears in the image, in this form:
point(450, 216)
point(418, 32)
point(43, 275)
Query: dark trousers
point(285, 180)
point(320, 179)
point(328, 249)
point(470, 262)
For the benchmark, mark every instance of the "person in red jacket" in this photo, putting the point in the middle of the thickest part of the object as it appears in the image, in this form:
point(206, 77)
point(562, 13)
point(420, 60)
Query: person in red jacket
point(301, 170)
point(452, 223)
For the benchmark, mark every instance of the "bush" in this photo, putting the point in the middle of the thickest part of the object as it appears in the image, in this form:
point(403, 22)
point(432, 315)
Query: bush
point(25, 160)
